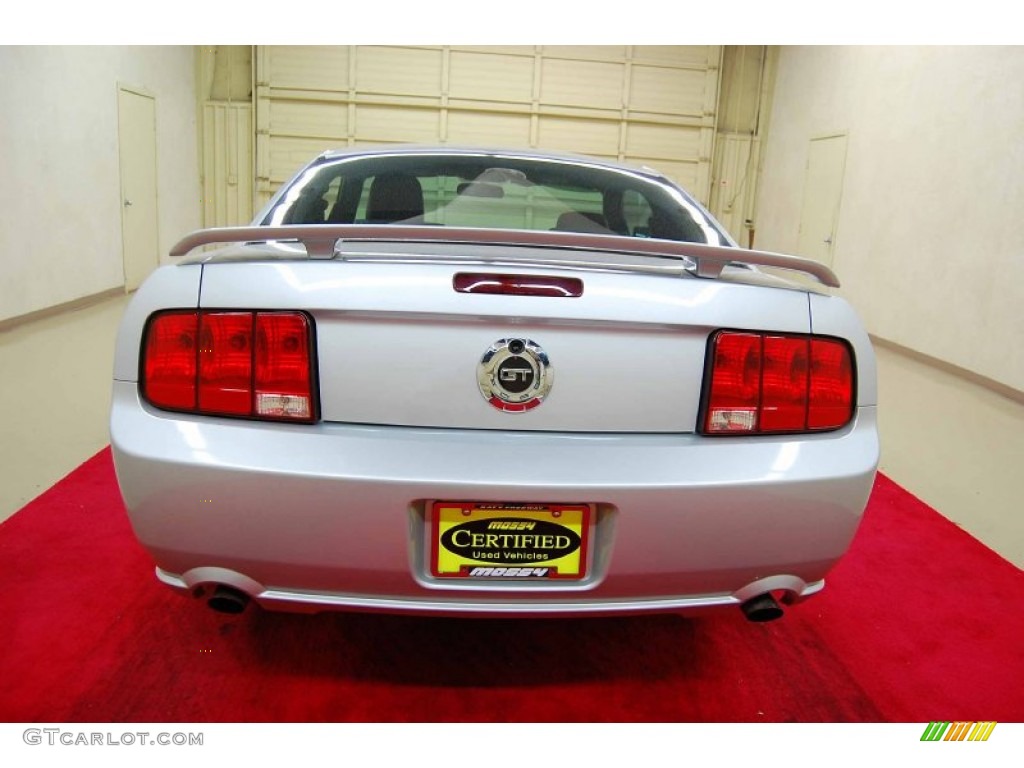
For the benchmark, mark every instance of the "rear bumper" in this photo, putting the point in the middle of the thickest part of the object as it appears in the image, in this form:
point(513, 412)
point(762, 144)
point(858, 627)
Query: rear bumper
point(334, 515)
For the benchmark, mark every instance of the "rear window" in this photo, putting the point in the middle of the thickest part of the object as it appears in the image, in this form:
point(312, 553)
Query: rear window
point(493, 192)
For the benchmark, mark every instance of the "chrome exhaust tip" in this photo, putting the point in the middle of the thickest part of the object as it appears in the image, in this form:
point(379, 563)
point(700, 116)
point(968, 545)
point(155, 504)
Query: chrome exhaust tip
point(228, 600)
point(761, 608)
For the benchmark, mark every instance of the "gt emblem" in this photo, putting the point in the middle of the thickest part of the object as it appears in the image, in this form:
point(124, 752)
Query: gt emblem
point(514, 375)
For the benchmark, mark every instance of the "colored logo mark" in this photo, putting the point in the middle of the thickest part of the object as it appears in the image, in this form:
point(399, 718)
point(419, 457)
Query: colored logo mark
point(946, 731)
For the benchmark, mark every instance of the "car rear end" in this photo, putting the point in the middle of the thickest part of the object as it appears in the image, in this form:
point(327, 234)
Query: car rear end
point(477, 428)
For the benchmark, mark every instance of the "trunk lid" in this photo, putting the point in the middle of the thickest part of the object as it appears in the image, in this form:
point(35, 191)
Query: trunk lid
point(397, 345)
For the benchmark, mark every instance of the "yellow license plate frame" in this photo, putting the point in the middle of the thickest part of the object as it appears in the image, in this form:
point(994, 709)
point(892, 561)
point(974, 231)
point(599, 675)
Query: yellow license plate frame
point(498, 542)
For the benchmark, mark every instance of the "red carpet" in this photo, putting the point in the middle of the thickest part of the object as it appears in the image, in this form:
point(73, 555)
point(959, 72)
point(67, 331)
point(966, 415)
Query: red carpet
point(920, 622)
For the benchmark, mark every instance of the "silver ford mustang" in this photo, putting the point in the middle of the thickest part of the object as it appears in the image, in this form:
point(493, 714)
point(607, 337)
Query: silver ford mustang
point(491, 382)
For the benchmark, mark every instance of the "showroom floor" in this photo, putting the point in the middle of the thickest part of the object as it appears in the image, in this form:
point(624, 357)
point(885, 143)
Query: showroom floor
point(955, 445)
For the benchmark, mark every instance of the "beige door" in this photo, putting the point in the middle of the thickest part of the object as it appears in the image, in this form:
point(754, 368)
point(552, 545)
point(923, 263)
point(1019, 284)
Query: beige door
point(823, 187)
point(136, 130)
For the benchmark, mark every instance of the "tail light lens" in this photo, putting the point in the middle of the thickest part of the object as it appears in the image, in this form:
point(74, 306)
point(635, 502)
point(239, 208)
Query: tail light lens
point(170, 360)
point(225, 363)
point(830, 400)
point(773, 383)
point(229, 363)
point(736, 385)
point(283, 378)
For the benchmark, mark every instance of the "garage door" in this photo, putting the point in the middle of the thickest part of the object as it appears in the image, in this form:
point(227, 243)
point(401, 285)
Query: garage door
point(652, 105)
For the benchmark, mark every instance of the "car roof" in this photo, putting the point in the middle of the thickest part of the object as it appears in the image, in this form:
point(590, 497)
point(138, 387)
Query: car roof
point(468, 150)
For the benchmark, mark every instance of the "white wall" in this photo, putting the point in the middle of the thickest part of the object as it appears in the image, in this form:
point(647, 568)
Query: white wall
point(60, 237)
point(930, 242)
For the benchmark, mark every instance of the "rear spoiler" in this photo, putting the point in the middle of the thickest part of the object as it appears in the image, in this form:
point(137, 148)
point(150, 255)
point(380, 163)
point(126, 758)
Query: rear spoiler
point(322, 242)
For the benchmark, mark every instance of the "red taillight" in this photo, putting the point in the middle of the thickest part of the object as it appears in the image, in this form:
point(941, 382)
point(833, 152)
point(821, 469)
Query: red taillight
point(169, 360)
point(831, 385)
point(774, 383)
point(784, 385)
point(230, 363)
point(282, 384)
point(736, 385)
point(225, 363)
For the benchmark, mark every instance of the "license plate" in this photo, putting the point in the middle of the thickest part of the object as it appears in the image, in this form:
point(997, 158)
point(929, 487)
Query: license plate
point(509, 541)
